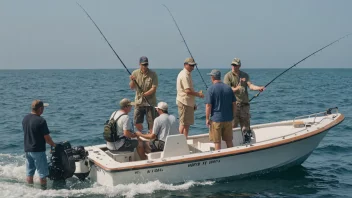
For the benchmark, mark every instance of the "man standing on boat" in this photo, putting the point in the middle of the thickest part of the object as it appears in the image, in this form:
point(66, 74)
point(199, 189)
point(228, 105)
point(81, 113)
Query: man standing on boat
point(145, 98)
point(186, 94)
point(36, 135)
point(164, 125)
point(125, 131)
point(239, 82)
point(220, 105)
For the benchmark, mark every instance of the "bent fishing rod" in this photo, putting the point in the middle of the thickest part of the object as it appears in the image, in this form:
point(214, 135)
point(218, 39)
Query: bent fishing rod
point(184, 41)
point(135, 82)
point(300, 62)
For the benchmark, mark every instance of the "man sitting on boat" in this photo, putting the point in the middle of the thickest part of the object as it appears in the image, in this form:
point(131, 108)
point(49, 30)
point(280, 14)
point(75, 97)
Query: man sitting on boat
point(163, 126)
point(123, 141)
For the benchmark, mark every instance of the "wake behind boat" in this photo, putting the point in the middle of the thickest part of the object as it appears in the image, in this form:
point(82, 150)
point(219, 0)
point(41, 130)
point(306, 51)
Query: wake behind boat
point(272, 146)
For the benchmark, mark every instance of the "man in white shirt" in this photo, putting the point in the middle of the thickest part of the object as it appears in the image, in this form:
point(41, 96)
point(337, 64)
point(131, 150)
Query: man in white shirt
point(186, 94)
point(163, 126)
point(125, 131)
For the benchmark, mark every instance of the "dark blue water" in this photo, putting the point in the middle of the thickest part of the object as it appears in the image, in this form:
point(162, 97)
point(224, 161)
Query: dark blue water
point(81, 100)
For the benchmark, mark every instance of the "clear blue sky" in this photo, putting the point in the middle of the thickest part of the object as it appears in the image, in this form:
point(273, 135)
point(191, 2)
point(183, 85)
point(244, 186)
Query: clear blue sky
point(42, 34)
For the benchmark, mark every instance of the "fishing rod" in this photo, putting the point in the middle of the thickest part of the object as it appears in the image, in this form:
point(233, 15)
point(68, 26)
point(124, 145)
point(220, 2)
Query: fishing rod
point(185, 44)
point(300, 62)
point(114, 52)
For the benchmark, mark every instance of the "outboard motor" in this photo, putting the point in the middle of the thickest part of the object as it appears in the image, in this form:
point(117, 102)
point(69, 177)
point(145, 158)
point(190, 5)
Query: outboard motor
point(63, 162)
point(247, 135)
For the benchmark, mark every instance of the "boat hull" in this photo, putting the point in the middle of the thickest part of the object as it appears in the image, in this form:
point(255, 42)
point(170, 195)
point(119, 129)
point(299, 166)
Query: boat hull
point(232, 165)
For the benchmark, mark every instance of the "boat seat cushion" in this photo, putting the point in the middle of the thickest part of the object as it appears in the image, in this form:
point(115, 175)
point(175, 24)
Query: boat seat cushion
point(154, 155)
point(175, 145)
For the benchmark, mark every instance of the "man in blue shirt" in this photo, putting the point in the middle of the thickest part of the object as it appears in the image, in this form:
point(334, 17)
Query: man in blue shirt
point(36, 136)
point(220, 105)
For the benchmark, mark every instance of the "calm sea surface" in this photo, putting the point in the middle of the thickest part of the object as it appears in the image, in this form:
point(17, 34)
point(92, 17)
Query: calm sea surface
point(81, 100)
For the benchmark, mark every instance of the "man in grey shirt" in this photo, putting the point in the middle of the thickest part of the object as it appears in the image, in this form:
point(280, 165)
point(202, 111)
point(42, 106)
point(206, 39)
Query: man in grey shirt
point(163, 126)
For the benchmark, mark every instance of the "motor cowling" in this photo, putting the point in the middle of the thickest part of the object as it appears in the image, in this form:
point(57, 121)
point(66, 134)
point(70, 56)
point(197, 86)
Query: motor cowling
point(63, 160)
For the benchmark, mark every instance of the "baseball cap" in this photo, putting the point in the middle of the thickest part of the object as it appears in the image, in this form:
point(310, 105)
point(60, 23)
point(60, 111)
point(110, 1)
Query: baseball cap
point(190, 61)
point(236, 61)
point(162, 106)
point(143, 60)
point(216, 73)
point(126, 102)
point(36, 104)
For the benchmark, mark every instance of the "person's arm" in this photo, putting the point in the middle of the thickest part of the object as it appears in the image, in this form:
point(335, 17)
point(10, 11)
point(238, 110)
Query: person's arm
point(227, 81)
point(49, 141)
point(255, 87)
point(127, 126)
point(234, 106)
point(186, 84)
point(132, 85)
point(149, 136)
point(208, 102)
point(129, 134)
point(45, 132)
point(149, 92)
point(207, 114)
point(132, 80)
point(193, 93)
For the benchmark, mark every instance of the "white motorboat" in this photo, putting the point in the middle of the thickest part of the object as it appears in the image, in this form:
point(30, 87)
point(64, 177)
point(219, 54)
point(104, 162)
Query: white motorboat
point(272, 146)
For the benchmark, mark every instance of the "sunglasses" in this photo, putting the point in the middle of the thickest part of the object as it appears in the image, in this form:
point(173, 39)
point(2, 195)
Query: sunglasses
point(145, 65)
point(192, 65)
point(235, 65)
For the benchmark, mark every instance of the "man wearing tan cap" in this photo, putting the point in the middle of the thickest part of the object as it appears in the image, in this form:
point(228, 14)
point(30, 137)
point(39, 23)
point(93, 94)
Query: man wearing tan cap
point(186, 94)
point(124, 130)
point(164, 125)
point(147, 79)
point(240, 82)
point(36, 134)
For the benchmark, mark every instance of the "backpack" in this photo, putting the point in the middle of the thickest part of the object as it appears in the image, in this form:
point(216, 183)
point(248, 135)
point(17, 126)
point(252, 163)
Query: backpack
point(110, 129)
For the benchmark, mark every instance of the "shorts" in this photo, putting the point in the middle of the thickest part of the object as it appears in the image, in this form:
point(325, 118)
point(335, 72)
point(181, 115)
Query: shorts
point(220, 130)
point(127, 145)
point(185, 114)
point(37, 161)
point(242, 116)
point(141, 111)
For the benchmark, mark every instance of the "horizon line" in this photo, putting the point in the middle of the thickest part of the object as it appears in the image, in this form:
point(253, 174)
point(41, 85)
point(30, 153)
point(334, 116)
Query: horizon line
point(171, 68)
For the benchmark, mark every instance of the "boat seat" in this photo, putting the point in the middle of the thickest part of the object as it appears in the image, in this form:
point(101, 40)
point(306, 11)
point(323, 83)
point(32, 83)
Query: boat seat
point(121, 156)
point(154, 155)
point(175, 145)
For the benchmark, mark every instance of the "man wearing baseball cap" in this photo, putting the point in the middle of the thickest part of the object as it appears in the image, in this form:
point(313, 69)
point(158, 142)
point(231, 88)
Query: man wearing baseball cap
point(240, 82)
point(125, 131)
point(186, 94)
point(164, 125)
point(220, 105)
point(145, 98)
point(36, 135)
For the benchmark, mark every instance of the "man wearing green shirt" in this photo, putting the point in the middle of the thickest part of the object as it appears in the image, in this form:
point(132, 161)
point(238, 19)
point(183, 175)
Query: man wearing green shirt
point(239, 82)
point(145, 98)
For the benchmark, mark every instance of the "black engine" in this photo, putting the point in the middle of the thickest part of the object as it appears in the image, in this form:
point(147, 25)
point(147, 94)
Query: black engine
point(62, 161)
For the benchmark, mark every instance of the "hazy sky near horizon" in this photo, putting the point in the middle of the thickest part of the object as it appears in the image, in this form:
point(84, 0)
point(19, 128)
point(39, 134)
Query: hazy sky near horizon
point(41, 34)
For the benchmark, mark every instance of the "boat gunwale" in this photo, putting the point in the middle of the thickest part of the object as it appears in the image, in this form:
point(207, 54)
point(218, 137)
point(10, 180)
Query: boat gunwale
point(219, 154)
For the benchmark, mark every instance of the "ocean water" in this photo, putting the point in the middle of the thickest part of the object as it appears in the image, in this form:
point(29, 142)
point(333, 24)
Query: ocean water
point(81, 100)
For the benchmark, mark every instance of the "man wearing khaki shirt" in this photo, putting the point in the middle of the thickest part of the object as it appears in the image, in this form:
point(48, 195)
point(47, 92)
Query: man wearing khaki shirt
point(185, 99)
point(145, 98)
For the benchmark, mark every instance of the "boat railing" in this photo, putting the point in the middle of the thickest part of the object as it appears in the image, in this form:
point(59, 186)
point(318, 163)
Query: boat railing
point(305, 124)
point(315, 115)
